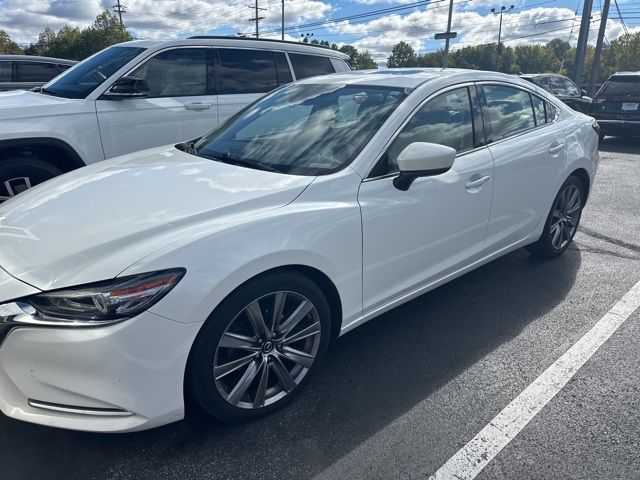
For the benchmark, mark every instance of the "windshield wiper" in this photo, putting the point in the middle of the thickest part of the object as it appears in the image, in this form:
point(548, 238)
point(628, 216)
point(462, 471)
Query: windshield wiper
point(240, 161)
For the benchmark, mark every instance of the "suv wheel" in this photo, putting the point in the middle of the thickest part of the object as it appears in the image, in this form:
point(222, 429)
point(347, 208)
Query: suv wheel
point(19, 174)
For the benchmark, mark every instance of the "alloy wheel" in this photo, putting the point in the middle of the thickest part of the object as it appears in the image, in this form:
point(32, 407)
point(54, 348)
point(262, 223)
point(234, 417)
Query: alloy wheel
point(267, 349)
point(565, 216)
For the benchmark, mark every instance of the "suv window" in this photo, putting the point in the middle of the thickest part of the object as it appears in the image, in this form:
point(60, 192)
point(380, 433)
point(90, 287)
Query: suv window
point(621, 86)
point(446, 120)
point(572, 89)
point(282, 66)
point(36, 71)
point(306, 66)
point(509, 111)
point(247, 71)
point(5, 71)
point(180, 72)
point(557, 85)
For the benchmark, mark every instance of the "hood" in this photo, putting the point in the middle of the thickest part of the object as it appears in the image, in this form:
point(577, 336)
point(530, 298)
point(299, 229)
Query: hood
point(17, 104)
point(91, 224)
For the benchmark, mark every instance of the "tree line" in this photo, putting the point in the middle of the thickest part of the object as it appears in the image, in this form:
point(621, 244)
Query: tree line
point(621, 54)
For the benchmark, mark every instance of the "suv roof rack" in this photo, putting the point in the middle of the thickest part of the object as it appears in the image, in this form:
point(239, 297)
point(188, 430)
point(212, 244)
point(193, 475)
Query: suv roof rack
point(222, 37)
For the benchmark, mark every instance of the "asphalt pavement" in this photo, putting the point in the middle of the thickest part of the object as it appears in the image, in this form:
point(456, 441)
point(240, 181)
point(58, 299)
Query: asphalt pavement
point(397, 397)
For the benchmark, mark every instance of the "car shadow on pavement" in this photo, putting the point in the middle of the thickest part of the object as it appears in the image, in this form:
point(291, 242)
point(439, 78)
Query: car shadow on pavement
point(371, 377)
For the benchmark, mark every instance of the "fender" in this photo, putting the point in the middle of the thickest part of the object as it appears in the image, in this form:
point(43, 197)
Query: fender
point(73, 157)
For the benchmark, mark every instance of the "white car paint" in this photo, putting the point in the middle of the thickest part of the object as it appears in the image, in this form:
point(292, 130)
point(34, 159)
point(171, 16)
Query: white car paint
point(96, 128)
point(163, 209)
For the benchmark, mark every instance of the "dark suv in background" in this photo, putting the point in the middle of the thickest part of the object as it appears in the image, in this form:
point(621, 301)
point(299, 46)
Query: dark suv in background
point(563, 88)
point(23, 72)
point(616, 106)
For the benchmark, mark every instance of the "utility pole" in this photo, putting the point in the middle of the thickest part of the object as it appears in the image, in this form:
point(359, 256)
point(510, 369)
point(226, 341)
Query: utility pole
point(595, 66)
point(257, 18)
point(448, 35)
point(583, 36)
point(119, 9)
point(503, 10)
point(282, 19)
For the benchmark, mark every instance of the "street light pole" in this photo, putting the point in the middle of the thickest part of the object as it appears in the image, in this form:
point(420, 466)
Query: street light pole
point(503, 10)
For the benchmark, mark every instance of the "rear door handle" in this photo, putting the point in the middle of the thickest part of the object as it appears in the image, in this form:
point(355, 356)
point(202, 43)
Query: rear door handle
point(473, 185)
point(555, 148)
point(197, 106)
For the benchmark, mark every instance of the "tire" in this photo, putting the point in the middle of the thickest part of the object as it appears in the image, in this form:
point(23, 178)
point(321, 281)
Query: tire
point(562, 222)
point(228, 336)
point(18, 174)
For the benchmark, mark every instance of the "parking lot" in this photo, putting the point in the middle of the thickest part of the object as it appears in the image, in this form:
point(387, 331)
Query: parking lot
point(399, 396)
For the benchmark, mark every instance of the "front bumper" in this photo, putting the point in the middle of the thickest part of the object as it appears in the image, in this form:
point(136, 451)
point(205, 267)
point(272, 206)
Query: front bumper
point(118, 378)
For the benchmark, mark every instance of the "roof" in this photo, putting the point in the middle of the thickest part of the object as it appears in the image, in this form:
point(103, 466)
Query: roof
point(407, 77)
point(35, 58)
point(265, 43)
point(550, 74)
point(622, 74)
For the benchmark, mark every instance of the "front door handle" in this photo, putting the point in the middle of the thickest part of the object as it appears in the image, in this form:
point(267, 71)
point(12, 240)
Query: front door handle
point(555, 148)
point(197, 106)
point(474, 185)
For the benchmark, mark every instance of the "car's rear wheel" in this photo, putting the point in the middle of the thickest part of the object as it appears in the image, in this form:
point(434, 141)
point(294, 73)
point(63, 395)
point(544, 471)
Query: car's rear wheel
point(562, 221)
point(259, 347)
point(20, 174)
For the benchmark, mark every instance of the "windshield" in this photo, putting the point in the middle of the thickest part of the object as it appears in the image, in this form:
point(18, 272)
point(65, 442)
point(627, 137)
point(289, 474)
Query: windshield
point(621, 87)
point(306, 129)
point(84, 77)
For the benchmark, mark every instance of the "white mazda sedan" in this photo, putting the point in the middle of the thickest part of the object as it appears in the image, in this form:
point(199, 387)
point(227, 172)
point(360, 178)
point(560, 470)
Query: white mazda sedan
point(220, 269)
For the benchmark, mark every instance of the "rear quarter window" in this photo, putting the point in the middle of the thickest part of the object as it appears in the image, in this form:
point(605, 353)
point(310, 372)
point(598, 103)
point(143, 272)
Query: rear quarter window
point(305, 66)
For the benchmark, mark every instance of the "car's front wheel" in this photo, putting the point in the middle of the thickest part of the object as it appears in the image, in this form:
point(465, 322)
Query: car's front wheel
point(259, 347)
point(20, 174)
point(562, 221)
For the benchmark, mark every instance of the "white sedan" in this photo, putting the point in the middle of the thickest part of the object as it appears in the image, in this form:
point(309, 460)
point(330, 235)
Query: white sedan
point(222, 268)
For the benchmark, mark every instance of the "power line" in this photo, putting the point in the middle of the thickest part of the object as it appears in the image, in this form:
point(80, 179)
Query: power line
point(624, 26)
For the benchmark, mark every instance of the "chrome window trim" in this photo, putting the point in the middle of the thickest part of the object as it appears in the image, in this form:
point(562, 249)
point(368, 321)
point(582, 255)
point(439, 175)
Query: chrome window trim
point(413, 113)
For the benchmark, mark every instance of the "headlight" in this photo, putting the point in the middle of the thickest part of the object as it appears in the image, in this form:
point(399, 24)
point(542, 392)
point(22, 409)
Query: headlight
point(106, 301)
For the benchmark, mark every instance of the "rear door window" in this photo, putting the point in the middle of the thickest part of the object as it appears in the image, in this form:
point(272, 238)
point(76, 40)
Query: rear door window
point(5, 71)
point(36, 71)
point(282, 67)
point(248, 71)
point(305, 66)
point(509, 111)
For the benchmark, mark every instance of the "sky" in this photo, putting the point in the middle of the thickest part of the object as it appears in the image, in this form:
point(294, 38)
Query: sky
point(373, 25)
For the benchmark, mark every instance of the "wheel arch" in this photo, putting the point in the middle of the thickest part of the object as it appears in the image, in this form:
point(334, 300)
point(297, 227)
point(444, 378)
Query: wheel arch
point(58, 152)
point(584, 178)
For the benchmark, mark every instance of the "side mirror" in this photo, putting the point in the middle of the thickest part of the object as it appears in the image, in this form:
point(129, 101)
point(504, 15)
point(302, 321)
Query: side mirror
point(128, 87)
point(421, 159)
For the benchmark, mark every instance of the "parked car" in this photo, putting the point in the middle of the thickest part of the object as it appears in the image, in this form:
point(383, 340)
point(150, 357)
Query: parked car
point(223, 267)
point(142, 94)
point(616, 106)
point(23, 72)
point(563, 88)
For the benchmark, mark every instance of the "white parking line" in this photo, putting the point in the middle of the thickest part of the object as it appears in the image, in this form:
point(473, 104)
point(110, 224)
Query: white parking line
point(469, 461)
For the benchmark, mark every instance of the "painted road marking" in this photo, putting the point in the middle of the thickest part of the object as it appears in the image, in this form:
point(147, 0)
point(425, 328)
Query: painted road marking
point(469, 461)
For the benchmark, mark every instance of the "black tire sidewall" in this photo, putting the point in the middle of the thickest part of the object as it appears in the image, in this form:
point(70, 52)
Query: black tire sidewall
point(200, 383)
point(27, 167)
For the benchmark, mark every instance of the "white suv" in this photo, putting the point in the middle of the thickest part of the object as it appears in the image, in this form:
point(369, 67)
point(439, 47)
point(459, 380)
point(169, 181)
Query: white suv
point(142, 94)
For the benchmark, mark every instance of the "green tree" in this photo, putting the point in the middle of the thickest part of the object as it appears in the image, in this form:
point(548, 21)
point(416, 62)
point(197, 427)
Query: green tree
point(402, 55)
point(75, 44)
point(365, 61)
point(8, 46)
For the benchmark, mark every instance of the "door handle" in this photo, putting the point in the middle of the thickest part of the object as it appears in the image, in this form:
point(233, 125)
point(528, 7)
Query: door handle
point(555, 148)
point(474, 185)
point(197, 106)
